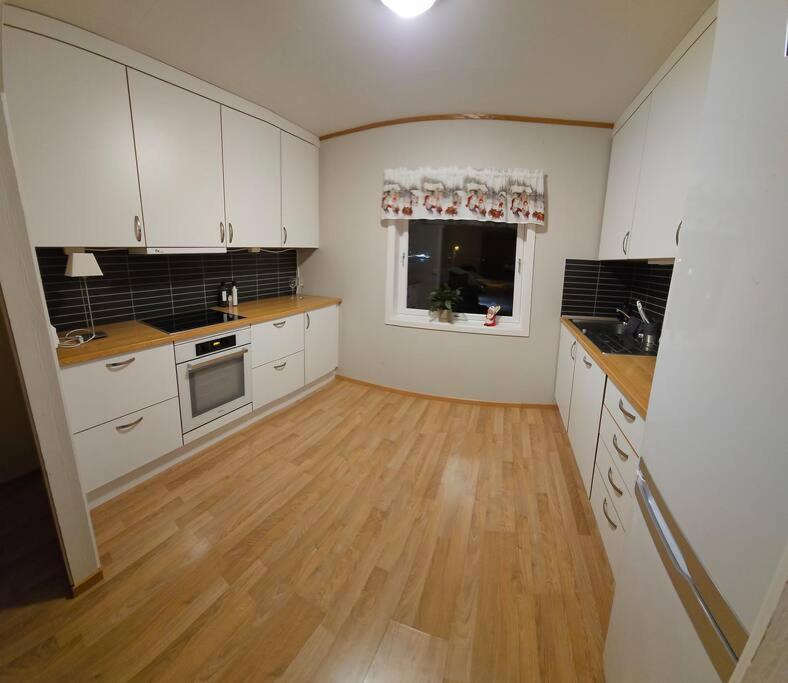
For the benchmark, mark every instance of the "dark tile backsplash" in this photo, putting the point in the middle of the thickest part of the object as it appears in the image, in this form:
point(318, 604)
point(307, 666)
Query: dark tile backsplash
point(137, 287)
point(599, 287)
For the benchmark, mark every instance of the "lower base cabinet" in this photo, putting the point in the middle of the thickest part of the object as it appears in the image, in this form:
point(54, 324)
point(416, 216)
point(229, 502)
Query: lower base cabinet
point(588, 391)
point(112, 449)
point(321, 342)
point(277, 379)
point(610, 527)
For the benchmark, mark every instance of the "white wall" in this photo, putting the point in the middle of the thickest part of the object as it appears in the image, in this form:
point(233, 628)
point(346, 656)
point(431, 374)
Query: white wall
point(351, 261)
point(29, 326)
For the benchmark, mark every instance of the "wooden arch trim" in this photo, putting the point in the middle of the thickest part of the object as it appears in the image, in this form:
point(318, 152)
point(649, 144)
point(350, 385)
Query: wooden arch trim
point(468, 117)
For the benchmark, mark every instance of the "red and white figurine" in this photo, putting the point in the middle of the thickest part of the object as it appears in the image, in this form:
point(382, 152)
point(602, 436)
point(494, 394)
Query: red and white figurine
point(492, 316)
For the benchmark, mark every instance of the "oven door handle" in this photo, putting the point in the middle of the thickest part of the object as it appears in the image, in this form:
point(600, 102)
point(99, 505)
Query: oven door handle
point(192, 368)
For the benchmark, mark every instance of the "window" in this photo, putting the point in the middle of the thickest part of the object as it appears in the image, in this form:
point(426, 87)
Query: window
point(489, 263)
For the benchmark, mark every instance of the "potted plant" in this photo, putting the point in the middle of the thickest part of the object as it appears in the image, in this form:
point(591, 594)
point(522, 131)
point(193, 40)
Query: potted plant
point(443, 300)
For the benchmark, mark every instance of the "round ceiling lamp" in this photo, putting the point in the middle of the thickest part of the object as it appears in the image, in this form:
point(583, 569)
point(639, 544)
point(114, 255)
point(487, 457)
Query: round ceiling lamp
point(408, 8)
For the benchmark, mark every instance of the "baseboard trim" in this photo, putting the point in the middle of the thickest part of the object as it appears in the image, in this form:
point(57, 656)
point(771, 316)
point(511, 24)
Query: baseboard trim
point(449, 399)
point(91, 581)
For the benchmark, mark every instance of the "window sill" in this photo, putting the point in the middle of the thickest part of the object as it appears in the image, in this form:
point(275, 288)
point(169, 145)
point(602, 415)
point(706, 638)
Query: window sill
point(502, 329)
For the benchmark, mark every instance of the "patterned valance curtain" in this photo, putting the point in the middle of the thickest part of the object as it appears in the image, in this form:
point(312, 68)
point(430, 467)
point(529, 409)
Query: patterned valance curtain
point(511, 196)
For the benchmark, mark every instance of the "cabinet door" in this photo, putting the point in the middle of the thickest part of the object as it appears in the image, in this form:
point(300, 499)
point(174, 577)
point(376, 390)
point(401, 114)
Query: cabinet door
point(670, 151)
point(252, 182)
point(321, 342)
point(564, 374)
point(110, 450)
point(179, 153)
point(622, 185)
point(73, 143)
point(588, 391)
point(299, 192)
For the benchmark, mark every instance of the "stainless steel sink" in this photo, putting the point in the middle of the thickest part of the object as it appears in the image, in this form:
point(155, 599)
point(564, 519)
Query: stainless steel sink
point(605, 326)
point(611, 336)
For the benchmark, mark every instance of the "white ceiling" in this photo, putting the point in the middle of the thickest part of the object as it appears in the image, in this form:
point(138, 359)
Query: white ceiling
point(333, 64)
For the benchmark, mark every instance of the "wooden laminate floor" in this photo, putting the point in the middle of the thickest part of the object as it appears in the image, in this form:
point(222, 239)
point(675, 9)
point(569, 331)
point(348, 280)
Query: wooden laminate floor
point(362, 535)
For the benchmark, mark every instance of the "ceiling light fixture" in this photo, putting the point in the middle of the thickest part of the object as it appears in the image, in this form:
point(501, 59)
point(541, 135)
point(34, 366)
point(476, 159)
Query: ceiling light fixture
point(408, 8)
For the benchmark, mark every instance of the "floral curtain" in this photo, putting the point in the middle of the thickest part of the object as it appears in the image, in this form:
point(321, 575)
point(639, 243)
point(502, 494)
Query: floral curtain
point(511, 196)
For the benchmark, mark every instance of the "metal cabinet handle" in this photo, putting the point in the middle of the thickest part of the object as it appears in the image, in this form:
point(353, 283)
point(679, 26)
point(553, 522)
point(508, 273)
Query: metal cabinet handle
point(612, 524)
point(280, 366)
point(619, 492)
point(622, 454)
point(138, 228)
point(678, 230)
point(629, 416)
point(625, 242)
point(585, 361)
point(130, 425)
point(572, 350)
point(230, 228)
point(120, 364)
point(308, 321)
point(196, 367)
point(284, 235)
point(221, 232)
point(280, 324)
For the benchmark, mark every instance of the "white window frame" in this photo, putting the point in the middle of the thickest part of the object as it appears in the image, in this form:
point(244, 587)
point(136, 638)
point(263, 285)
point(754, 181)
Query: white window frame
point(397, 313)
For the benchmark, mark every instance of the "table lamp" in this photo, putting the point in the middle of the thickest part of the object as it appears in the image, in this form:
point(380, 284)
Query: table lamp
point(83, 265)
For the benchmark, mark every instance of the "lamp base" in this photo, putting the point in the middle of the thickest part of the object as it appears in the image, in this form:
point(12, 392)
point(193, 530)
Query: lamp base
point(99, 335)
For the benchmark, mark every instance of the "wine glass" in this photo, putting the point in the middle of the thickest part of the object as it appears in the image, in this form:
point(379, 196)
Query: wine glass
point(293, 287)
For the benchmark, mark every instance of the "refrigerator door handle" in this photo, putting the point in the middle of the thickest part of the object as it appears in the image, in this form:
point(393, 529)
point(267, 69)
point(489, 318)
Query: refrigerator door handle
point(722, 635)
point(656, 523)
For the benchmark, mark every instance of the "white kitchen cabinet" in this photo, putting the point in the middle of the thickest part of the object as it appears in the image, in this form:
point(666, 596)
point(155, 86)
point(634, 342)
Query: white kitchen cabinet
point(73, 143)
point(622, 185)
point(565, 372)
point(669, 153)
point(252, 180)
point(115, 448)
point(623, 454)
point(321, 342)
point(179, 154)
point(621, 496)
point(300, 219)
point(588, 390)
point(105, 389)
point(277, 379)
point(277, 339)
point(607, 520)
point(626, 417)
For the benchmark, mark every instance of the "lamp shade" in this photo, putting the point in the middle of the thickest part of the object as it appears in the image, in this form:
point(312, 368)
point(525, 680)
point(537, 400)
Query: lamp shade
point(82, 265)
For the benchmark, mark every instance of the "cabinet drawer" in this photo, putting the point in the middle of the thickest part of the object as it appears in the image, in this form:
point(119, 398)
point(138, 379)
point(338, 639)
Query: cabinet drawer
point(115, 448)
point(103, 390)
point(277, 339)
point(620, 493)
point(625, 415)
point(279, 378)
point(608, 521)
point(621, 452)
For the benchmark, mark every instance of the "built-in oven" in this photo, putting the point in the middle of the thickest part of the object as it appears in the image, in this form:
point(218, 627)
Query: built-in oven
point(214, 378)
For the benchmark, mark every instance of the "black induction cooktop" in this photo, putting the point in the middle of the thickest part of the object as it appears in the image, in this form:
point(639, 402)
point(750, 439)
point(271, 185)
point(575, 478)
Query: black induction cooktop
point(190, 320)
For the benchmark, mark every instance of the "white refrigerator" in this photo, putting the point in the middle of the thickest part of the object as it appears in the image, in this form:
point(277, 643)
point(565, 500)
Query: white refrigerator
point(712, 517)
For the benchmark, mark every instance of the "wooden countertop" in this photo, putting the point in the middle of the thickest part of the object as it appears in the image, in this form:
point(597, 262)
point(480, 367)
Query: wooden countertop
point(134, 335)
point(631, 374)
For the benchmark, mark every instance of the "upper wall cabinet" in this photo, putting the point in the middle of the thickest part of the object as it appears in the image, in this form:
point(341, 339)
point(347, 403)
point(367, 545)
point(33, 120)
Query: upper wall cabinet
point(73, 143)
point(651, 162)
point(622, 185)
point(179, 154)
point(252, 181)
point(669, 154)
point(300, 218)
